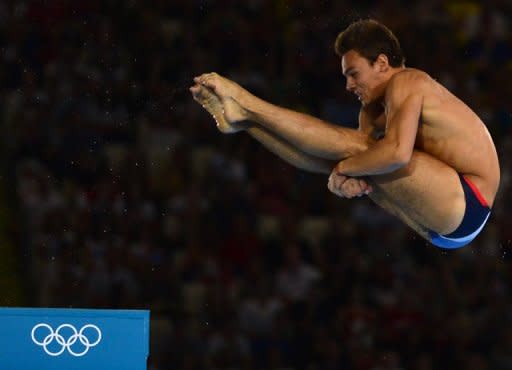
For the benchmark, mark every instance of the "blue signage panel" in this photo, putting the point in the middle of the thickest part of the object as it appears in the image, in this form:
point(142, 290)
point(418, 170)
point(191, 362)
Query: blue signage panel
point(73, 339)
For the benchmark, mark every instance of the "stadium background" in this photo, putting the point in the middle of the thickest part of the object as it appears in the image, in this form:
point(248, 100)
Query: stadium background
point(118, 192)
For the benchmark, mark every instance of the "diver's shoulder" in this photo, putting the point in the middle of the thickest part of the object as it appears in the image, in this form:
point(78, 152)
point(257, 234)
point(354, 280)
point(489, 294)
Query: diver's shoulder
point(411, 75)
point(409, 78)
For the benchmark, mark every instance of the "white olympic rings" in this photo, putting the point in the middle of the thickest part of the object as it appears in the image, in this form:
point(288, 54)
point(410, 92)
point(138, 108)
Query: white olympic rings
point(66, 344)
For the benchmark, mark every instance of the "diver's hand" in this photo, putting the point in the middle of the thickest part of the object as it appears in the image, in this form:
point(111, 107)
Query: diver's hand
point(348, 187)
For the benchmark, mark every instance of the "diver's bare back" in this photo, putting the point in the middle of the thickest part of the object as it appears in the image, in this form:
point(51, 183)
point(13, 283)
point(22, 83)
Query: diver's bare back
point(451, 132)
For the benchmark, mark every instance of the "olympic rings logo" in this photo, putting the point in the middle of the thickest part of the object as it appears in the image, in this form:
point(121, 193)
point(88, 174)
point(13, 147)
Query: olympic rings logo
point(68, 344)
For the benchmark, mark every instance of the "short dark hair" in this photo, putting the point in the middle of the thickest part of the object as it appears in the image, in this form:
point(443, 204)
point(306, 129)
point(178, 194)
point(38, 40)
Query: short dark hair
point(370, 38)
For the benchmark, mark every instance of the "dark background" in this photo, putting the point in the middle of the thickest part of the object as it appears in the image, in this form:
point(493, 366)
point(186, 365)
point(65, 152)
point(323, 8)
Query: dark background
point(118, 191)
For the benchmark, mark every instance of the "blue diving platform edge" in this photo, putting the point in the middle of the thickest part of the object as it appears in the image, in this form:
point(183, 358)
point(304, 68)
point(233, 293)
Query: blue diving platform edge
point(73, 339)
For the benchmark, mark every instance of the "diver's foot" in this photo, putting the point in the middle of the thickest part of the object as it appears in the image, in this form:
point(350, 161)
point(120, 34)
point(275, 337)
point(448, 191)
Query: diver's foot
point(228, 114)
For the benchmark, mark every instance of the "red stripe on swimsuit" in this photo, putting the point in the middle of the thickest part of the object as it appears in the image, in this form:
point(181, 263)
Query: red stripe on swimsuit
point(477, 193)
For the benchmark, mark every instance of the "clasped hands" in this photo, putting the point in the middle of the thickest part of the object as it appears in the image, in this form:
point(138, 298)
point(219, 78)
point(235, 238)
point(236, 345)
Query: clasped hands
point(348, 187)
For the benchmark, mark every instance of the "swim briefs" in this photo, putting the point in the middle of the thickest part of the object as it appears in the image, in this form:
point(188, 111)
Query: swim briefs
point(475, 216)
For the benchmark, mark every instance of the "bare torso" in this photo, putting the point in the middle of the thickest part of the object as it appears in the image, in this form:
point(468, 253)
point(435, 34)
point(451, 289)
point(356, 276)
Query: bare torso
point(450, 131)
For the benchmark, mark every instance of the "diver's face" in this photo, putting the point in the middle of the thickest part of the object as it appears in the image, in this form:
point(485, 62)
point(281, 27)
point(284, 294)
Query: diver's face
point(363, 78)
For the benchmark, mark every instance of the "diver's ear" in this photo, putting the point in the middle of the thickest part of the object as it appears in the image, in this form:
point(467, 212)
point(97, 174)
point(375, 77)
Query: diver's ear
point(382, 63)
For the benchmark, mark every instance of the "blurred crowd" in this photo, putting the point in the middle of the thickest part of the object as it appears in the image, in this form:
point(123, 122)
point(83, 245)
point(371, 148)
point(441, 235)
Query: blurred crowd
point(124, 194)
